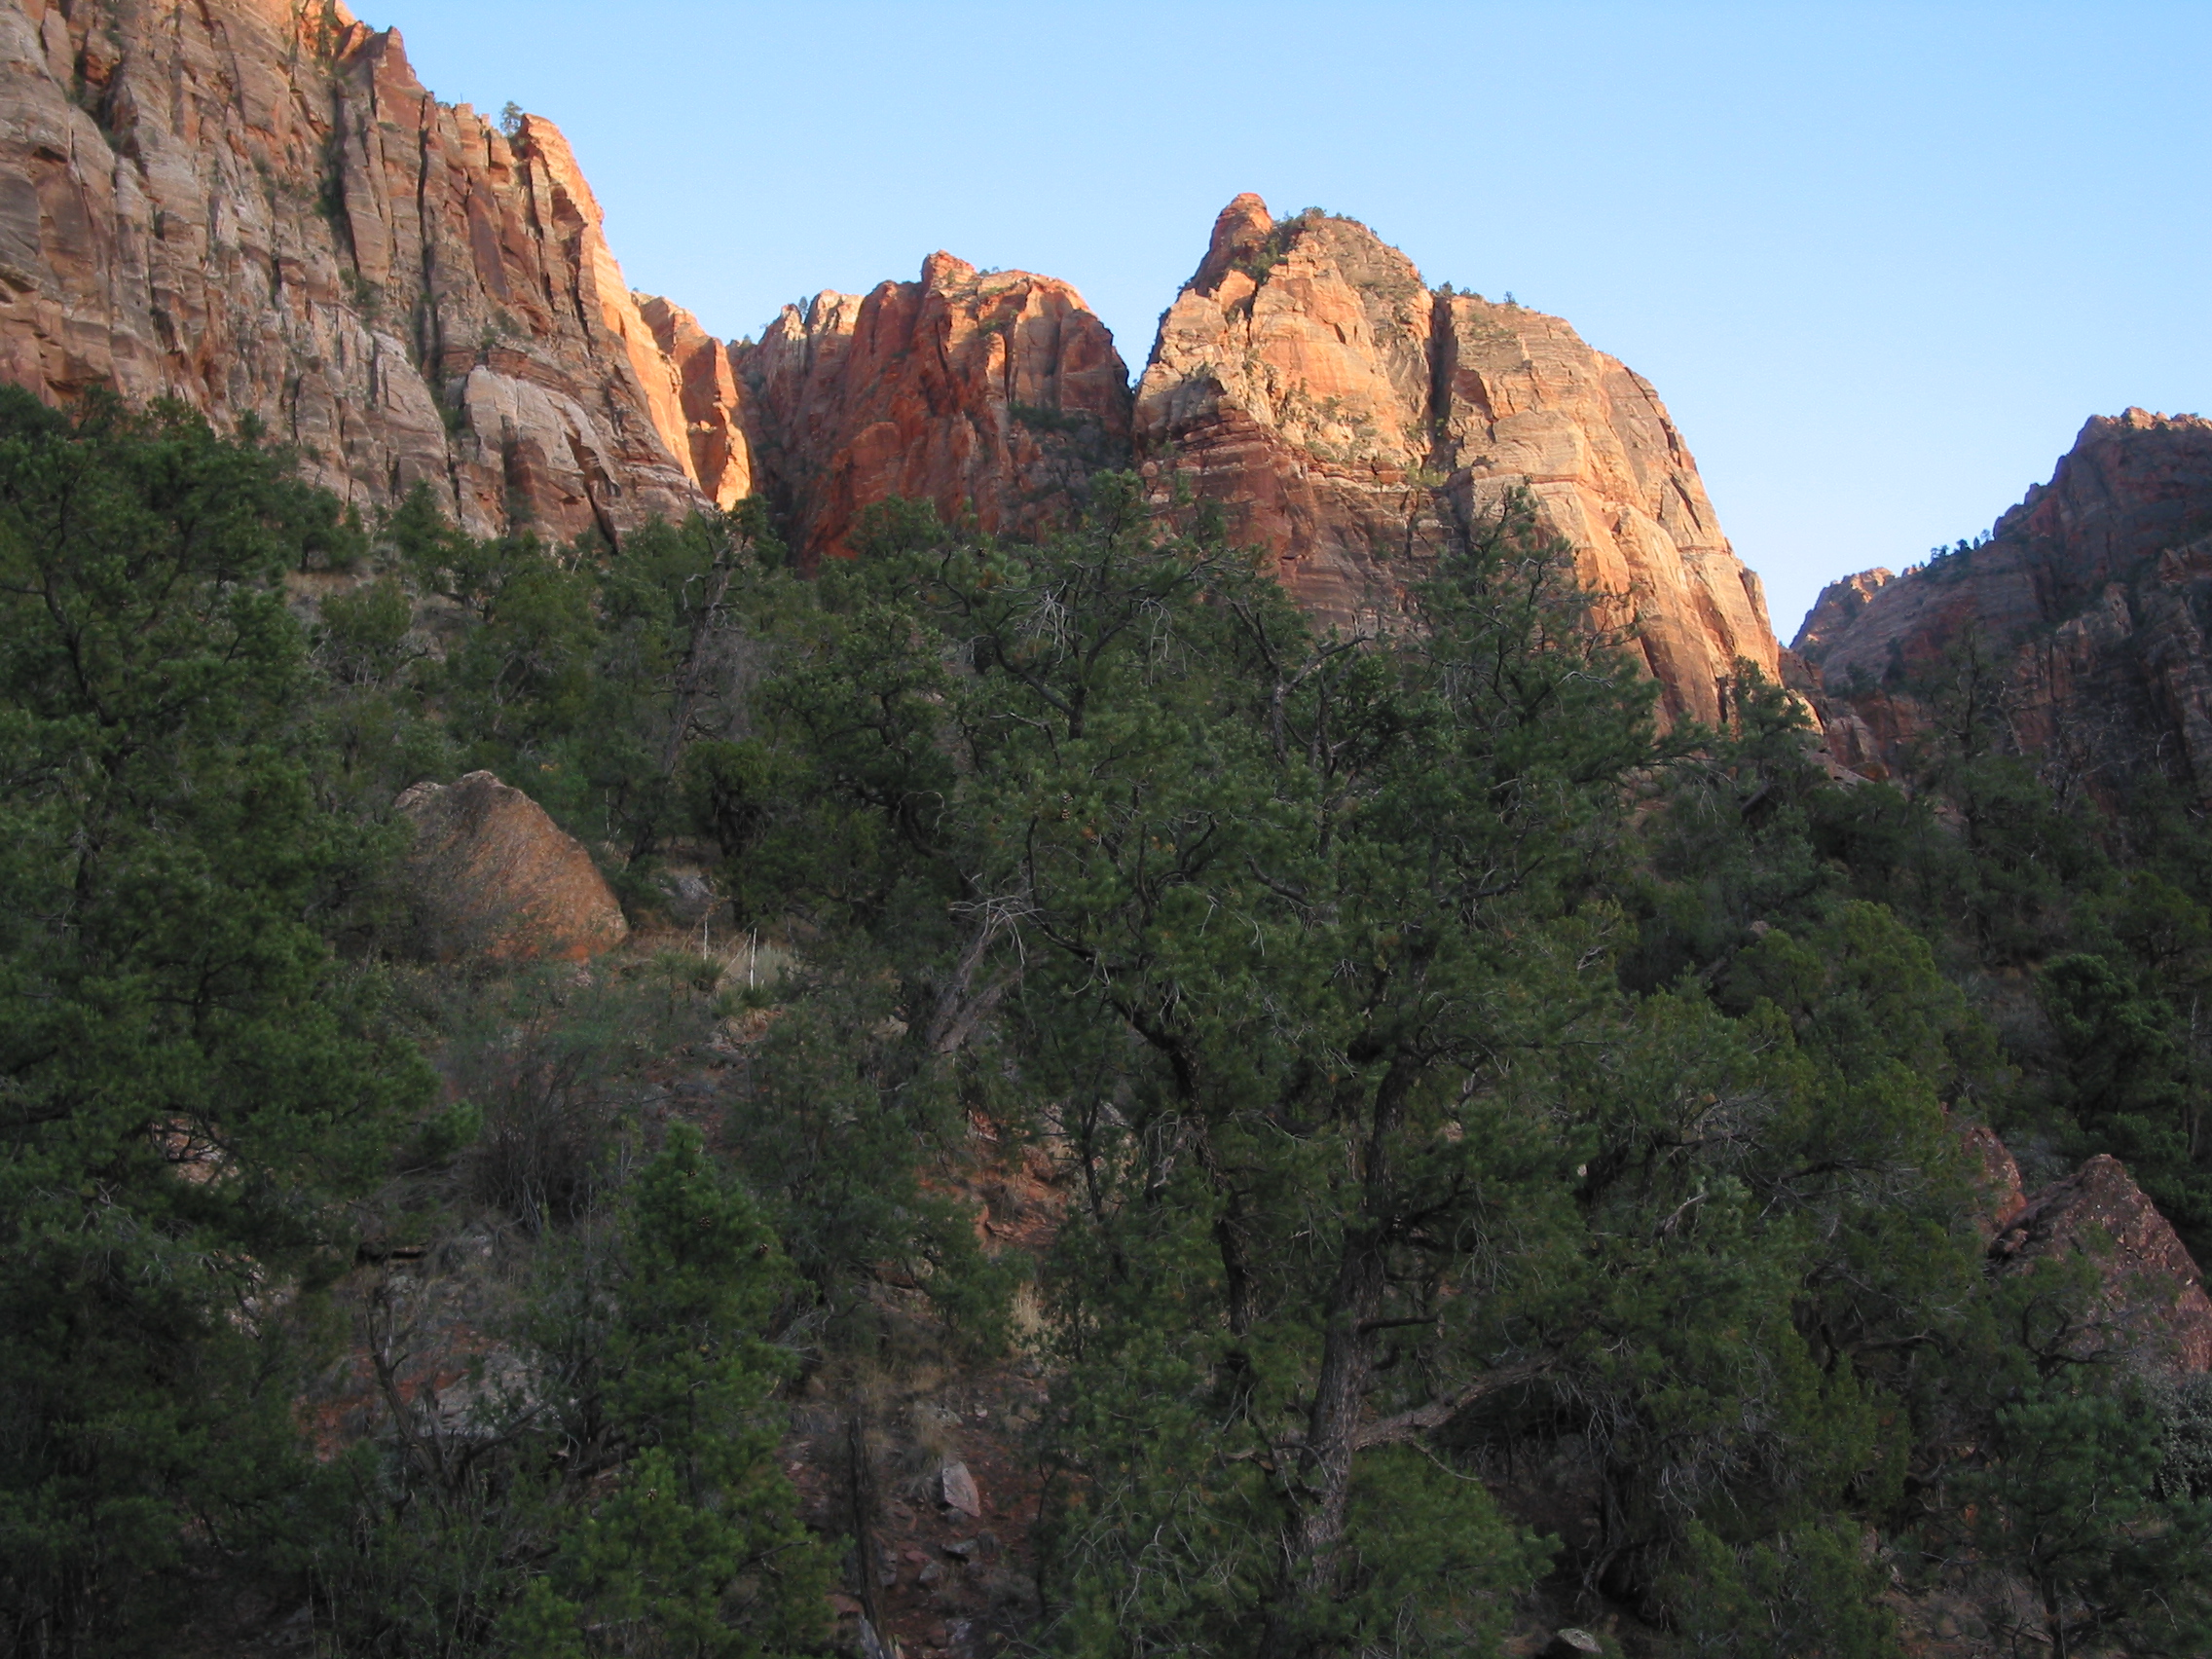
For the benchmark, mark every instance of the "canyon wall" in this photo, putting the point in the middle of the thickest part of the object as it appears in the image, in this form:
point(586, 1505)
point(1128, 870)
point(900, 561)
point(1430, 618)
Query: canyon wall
point(1348, 416)
point(2088, 606)
point(255, 206)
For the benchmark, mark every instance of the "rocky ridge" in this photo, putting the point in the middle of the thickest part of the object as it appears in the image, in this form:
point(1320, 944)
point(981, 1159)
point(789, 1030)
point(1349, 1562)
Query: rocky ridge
point(2089, 605)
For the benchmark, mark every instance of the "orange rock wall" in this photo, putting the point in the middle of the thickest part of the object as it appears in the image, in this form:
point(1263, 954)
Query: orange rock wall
point(1308, 377)
point(256, 207)
point(998, 392)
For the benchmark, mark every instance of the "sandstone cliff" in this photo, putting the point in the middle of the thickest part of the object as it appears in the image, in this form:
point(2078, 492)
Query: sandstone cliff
point(253, 205)
point(2090, 600)
point(719, 425)
point(1837, 609)
point(1309, 379)
point(995, 392)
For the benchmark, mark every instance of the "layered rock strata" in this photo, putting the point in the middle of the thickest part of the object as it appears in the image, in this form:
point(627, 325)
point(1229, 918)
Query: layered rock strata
point(2089, 606)
point(253, 205)
point(1349, 417)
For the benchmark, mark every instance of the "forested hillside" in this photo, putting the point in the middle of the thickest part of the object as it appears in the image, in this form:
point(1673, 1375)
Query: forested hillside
point(1394, 1152)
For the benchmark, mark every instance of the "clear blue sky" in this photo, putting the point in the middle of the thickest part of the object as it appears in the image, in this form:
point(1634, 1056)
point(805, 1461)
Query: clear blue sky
point(1881, 260)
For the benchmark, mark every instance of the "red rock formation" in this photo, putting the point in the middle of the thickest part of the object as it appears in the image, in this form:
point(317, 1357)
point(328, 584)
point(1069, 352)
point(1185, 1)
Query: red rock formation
point(1998, 1174)
point(494, 876)
point(995, 392)
point(716, 411)
point(1838, 607)
point(1307, 377)
point(2087, 598)
point(254, 206)
point(2153, 1293)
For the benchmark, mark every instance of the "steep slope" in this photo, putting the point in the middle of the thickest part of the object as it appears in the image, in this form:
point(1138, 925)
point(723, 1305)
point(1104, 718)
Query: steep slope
point(1308, 379)
point(2091, 600)
point(253, 205)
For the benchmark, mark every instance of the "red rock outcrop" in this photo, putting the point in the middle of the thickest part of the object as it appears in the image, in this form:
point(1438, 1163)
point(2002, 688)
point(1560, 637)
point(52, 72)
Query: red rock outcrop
point(1838, 608)
point(1308, 379)
point(718, 417)
point(253, 205)
point(2088, 601)
point(1996, 1171)
point(998, 392)
point(2153, 1294)
point(494, 876)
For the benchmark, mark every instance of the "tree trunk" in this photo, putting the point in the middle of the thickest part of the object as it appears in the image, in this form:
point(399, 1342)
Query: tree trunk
point(2053, 1616)
point(1340, 1386)
point(1347, 1358)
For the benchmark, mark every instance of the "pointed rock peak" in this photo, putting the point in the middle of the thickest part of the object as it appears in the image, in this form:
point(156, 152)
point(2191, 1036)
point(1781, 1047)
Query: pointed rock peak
point(824, 309)
point(1239, 237)
point(942, 271)
point(1245, 220)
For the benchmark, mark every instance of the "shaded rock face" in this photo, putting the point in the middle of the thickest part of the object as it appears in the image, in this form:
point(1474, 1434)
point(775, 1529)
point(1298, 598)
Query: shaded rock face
point(2091, 600)
point(1307, 377)
point(2153, 1293)
point(1837, 609)
point(997, 392)
point(254, 206)
point(494, 876)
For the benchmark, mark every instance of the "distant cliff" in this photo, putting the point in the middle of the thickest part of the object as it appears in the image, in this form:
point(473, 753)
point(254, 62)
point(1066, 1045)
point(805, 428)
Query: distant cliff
point(2090, 601)
point(995, 393)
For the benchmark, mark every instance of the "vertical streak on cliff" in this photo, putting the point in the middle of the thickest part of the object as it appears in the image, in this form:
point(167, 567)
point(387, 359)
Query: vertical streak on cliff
point(264, 212)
